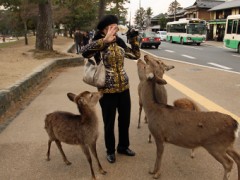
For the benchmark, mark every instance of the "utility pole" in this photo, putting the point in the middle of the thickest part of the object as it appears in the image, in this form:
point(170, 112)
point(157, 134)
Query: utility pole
point(175, 7)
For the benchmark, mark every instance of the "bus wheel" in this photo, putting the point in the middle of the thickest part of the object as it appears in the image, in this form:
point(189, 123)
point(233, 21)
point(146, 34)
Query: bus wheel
point(171, 41)
point(198, 44)
point(239, 48)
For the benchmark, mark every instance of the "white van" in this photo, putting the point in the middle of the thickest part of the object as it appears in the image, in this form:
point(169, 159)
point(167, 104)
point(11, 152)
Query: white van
point(162, 35)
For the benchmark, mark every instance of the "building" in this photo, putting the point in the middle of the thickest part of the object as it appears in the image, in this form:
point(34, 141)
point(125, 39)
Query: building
point(200, 9)
point(219, 15)
point(180, 13)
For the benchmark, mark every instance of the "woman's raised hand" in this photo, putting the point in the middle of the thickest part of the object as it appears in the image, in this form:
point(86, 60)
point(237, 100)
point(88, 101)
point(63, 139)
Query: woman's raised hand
point(111, 34)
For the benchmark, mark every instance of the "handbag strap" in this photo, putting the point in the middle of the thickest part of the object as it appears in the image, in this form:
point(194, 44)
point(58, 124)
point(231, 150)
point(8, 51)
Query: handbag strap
point(95, 59)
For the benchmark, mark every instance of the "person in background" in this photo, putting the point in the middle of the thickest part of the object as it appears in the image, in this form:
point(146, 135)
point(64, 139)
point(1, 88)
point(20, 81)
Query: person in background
point(91, 35)
point(78, 39)
point(111, 49)
point(85, 38)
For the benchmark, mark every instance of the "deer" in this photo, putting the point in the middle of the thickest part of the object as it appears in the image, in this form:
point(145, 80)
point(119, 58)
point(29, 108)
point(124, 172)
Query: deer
point(189, 105)
point(160, 90)
point(76, 129)
point(214, 131)
point(161, 93)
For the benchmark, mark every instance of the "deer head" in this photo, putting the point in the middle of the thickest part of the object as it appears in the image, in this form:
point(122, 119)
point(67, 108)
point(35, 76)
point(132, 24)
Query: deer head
point(150, 72)
point(85, 98)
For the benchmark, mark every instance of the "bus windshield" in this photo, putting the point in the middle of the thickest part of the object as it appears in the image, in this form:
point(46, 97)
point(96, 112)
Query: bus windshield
point(196, 29)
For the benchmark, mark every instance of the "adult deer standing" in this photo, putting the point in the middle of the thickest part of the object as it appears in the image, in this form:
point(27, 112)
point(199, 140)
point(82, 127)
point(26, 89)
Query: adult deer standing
point(214, 131)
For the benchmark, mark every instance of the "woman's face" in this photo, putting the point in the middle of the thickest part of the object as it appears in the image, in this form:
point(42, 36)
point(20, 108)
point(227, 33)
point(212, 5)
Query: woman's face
point(114, 26)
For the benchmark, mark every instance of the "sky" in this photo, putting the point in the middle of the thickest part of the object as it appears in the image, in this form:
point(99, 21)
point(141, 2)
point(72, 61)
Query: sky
point(158, 6)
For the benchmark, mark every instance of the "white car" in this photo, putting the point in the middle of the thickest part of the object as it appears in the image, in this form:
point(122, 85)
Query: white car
point(162, 35)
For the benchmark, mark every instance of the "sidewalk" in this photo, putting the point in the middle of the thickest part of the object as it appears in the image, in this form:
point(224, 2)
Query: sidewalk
point(23, 143)
point(214, 43)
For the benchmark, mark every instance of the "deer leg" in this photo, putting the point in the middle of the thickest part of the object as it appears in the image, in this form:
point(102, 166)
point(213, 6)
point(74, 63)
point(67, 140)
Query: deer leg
point(85, 149)
point(139, 117)
point(236, 157)
point(94, 152)
point(221, 156)
point(146, 120)
point(156, 171)
point(49, 147)
point(192, 153)
point(58, 143)
point(149, 138)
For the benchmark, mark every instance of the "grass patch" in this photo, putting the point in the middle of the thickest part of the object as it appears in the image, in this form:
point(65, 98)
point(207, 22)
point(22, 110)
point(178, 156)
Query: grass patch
point(11, 44)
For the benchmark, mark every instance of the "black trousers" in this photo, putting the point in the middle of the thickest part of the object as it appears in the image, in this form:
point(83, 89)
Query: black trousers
point(110, 104)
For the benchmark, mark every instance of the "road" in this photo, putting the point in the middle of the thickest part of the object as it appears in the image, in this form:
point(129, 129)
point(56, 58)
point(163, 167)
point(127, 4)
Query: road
point(204, 55)
point(23, 144)
point(210, 56)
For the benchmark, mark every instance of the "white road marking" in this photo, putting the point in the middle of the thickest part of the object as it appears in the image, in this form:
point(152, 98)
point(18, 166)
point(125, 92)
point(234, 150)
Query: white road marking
point(220, 66)
point(194, 48)
point(236, 55)
point(190, 57)
point(169, 51)
point(199, 65)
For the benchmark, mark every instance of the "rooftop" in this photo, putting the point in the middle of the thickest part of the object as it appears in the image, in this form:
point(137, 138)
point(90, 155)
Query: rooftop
point(227, 5)
point(207, 4)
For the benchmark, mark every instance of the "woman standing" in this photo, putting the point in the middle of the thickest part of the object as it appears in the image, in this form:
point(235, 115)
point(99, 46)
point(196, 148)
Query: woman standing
point(109, 48)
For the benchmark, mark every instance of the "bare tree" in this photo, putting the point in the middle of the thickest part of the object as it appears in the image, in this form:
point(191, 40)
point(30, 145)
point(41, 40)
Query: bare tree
point(140, 17)
point(26, 11)
point(173, 8)
point(149, 14)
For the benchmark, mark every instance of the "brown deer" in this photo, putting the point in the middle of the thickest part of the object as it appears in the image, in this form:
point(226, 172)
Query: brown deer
point(214, 131)
point(160, 90)
point(76, 129)
point(187, 104)
point(161, 93)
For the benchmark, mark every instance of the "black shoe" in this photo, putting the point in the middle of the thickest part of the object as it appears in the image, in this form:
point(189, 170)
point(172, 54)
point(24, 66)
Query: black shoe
point(127, 152)
point(111, 158)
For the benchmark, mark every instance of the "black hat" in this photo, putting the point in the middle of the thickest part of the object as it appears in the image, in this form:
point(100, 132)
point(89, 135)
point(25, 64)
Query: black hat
point(107, 20)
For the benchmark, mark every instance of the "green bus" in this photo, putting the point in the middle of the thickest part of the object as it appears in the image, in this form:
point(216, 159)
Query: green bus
point(187, 31)
point(232, 32)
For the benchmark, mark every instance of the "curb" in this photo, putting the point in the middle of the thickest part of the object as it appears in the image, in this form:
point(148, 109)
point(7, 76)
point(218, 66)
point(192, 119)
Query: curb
point(15, 93)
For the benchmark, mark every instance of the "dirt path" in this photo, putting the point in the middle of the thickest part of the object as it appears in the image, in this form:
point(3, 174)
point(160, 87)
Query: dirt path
point(18, 60)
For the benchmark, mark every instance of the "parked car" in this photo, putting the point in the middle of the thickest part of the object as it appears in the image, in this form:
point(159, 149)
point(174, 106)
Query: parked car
point(162, 35)
point(149, 39)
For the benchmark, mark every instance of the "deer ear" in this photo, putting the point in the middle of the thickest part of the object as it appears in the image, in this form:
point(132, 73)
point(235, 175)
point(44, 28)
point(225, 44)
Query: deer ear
point(71, 96)
point(169, 67)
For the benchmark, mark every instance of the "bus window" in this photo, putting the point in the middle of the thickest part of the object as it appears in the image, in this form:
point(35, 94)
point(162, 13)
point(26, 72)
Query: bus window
point(234, 29)
point(196, 29)
point(229, 27)
point(238, 29)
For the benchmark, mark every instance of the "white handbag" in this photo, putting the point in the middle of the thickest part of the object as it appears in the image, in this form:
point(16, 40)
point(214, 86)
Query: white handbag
point(94, 74)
